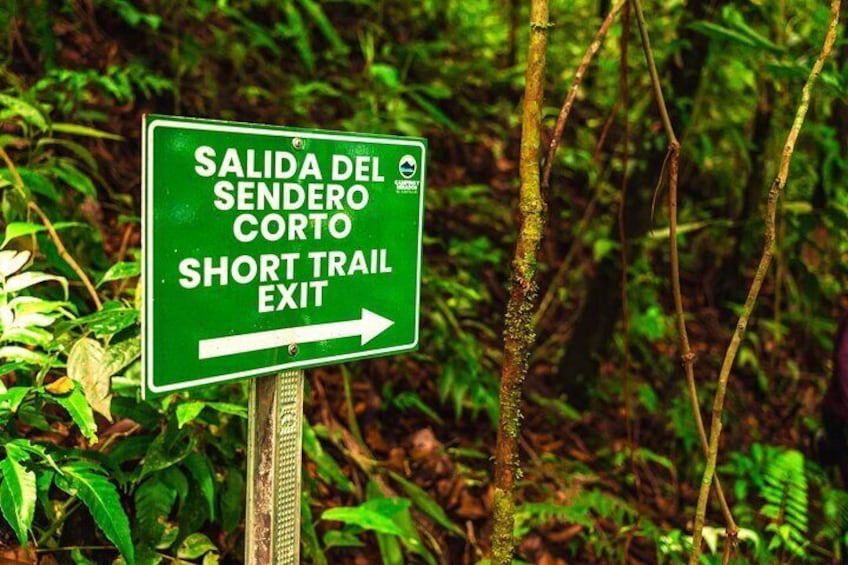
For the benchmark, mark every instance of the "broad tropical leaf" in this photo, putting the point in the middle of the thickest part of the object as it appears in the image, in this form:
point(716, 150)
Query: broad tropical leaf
point(17, 493)
point(87, 481)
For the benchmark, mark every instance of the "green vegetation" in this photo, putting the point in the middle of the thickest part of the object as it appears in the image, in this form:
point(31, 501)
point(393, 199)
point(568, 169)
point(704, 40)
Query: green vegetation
point(399, 453)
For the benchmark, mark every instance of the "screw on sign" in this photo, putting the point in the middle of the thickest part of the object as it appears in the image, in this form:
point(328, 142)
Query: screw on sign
point(269, 250)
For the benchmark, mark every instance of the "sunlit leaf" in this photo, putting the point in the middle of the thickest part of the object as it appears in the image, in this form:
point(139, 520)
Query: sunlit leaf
point(80, 411)
point(62, 385)
point(87, 365)
point(17, 492)
point(119, 271)
point(76, 129)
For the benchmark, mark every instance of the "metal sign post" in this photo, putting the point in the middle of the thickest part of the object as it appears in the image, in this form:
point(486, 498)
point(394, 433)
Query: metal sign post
point(275, 411)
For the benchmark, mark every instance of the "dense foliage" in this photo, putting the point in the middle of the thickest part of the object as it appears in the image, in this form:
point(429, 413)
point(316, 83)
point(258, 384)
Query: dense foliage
point(398, 451)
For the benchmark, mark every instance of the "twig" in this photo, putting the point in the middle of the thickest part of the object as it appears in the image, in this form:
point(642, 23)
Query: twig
point(67, 256)
point(51, 230)
point(575, 86)
point(519, 336)
point(624, 99)
point(776, 189)
point(672, 159)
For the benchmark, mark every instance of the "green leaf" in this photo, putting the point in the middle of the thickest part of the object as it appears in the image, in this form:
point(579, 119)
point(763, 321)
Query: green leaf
point(188, 411)
point(88, 366)
point(24, 355)
point(375, 515)
point(168, 448)
point(79, 558)
point(17, 493)
point(198, 467)
point(123, 270)
point(120, 354)
point(327, 30)
point(328, 470)
point(297, 31)
point(80, 411)
point(313, 552)
point(12, 398)
point(27, 111)
point(194, 546)
point(426, 504)
point(229, 408)
point(75, 178)
point(75, 129)
point(15, 230)
point(153, 503)
point(232, 501)
point(104, 323)
point(87, 481)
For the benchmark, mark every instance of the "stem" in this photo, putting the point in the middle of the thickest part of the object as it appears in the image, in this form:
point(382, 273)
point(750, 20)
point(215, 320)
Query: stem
point(575, 86)
point(673, 160)
point(19, 184)
point(519, 335)
point(624, 98)
point(67, 256)
point(652, 69)
point(765, 261)
point(351, 413)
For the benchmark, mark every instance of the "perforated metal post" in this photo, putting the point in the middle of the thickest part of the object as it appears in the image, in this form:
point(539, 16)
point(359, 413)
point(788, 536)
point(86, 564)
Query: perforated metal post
point(275, 412)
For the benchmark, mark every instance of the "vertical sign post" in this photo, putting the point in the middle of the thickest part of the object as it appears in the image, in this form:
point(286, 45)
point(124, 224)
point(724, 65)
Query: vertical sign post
point(272, 527)
point(269, 249)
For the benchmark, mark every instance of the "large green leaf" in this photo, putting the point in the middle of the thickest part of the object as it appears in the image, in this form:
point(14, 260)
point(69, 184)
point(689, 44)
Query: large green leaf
point(27, 111)
point(17, 492)
point(167, 449)
point(86, 480)
point(87, 365)
point(154, 501)
point(201, 472)
point(426, 504)
point(375, 515)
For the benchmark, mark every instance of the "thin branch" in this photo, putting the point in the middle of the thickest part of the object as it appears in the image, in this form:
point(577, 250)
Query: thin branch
point(624, 99)
point(762, 269)
point(67, 256)
point(19, 184)
point(672, 161)
point(575, 86)
point(519, 336)
point(652, 69)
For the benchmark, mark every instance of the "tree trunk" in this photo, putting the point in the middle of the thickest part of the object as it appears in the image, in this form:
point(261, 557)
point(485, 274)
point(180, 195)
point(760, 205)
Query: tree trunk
point(519, 335)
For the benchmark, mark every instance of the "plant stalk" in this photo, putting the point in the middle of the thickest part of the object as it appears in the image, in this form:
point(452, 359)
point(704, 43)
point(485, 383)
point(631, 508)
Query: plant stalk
point(519, 335)
point(774, 193)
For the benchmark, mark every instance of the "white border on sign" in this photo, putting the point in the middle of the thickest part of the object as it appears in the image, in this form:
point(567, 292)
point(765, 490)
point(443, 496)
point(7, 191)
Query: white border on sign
point(147, 248)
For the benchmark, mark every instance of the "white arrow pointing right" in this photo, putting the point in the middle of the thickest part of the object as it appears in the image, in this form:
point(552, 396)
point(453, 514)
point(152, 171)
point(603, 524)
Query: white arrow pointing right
point(368, 326)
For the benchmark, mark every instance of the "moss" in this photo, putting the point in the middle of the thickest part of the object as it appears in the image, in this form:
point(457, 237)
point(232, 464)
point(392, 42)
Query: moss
point(502, 538)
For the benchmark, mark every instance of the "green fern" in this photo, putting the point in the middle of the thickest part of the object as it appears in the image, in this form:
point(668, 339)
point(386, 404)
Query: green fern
point(787, 502)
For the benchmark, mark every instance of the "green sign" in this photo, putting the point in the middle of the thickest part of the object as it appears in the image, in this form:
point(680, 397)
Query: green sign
point(270, 248)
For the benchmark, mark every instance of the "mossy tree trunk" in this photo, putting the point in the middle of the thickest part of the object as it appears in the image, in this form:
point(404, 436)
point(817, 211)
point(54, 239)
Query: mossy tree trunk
point(519, 335)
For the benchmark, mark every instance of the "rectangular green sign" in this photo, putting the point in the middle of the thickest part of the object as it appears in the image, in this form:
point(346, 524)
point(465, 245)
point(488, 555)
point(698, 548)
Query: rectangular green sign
point(269, 248)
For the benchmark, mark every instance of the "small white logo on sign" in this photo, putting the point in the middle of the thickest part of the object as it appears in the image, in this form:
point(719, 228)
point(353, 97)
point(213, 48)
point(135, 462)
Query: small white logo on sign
point(407, 166)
